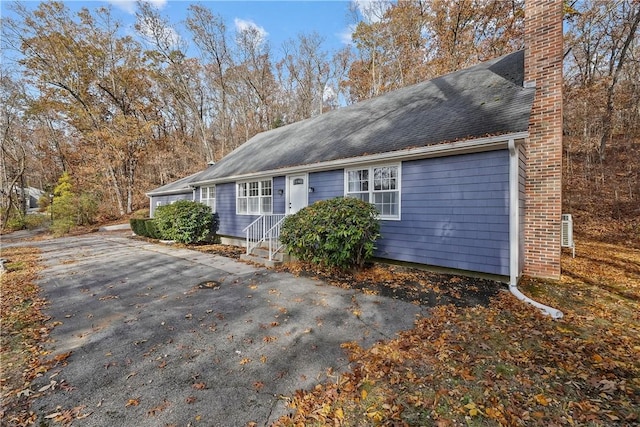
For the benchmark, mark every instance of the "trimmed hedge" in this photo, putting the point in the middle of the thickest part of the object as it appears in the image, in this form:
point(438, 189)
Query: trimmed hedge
point(137, 226)
point(339, 232)
point(145, 227)
point(186, 222)
point(151, 230)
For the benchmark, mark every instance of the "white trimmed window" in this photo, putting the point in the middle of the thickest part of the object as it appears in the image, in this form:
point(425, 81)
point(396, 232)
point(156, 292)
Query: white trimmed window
point(208, 197)
point(379, 185)
point(254, 197)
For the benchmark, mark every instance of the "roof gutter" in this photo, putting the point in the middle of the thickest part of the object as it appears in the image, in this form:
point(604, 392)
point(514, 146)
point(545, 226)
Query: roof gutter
point(438, 150)
point(514, 233)
point(182, 190)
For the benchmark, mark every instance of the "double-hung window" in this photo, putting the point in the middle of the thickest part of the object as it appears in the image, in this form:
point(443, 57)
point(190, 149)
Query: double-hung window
point(379, 185)
point(254, 197)
point(208, 197)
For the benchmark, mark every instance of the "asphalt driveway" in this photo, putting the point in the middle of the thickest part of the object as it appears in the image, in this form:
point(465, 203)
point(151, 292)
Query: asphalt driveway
point(160, 335)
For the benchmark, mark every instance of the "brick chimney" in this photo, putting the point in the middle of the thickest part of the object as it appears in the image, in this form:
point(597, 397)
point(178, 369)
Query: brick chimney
point(543, 70)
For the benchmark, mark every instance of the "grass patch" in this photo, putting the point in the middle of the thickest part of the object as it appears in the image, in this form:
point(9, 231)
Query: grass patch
point(504, 363)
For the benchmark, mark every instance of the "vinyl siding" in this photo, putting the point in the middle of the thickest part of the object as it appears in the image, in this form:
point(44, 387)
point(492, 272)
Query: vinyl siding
point(232, 224)
point(279, 183)
point(326, 185)
point(168, 199)
point(455, 214)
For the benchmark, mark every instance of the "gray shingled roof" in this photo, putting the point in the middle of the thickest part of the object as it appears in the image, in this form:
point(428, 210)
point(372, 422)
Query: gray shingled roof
point(486, 99)
point(179, 186)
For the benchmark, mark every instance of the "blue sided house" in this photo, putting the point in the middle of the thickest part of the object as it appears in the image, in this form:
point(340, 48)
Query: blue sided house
point(440, 160)
point(465, 169)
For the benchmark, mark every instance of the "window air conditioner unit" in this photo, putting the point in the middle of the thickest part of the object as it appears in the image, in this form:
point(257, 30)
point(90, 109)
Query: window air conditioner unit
point(567, 234)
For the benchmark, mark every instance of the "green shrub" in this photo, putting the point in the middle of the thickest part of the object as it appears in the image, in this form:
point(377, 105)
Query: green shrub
point(186, 222)
point(145, 227)
point(33, 221)
point(151, 229)
point(70, 209)
point(62, 226)
point(16, 221)
point(64, 201)
point(339, 232)
point(138, 226)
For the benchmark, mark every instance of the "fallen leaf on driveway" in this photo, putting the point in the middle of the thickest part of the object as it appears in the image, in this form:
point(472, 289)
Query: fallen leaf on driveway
point(55, 414)
point(199, 386)
point(133, 402)
point(51, 385)
point(26, 392)
point(161, 407)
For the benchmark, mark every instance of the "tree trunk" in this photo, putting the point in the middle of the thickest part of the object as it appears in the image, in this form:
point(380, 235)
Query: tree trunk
point(131, 183)
point(116, 190)
point(608, 114)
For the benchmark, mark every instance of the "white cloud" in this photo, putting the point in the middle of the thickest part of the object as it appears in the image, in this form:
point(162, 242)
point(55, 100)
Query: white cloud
point(243, 25)
point(129, 6)
point(329, 95)
point(372, 10)
point(159, 4)
point(167, 36)
point(346, 35)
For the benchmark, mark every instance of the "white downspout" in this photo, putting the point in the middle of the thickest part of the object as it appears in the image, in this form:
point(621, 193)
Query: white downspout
point(514, 234)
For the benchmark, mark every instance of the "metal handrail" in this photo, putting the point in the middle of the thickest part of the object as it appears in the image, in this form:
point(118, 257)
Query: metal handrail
point(262, 228)
point(275, 238)
point(250, 231)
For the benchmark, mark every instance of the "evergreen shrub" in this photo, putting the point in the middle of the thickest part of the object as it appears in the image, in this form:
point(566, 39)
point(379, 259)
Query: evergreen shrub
point(145, 227)
point(138, 226)
point(151, 229)
point(70, 209)
point(186, 222)
point(339, 232)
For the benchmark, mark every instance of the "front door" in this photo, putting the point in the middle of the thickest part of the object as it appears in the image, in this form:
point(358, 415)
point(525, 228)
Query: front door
point(298, 193)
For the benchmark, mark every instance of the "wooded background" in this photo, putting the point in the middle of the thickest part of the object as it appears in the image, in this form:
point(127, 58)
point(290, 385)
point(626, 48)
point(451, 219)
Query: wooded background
point(123, 114)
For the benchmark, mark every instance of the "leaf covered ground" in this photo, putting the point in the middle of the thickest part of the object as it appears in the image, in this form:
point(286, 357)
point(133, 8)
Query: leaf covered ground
point(23, 332)
point(481, 358)
point(408, 284)
point(504, 363)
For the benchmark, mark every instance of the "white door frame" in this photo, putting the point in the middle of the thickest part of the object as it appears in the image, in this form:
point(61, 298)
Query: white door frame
point(288, 186)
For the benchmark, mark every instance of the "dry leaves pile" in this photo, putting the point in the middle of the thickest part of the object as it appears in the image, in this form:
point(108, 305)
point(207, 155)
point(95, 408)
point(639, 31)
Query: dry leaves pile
point(22, 356)
point(228, 251)
point(504, 364)
point(412, 285)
